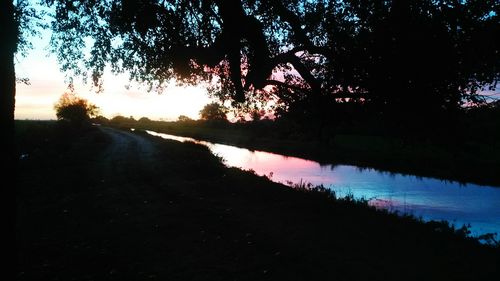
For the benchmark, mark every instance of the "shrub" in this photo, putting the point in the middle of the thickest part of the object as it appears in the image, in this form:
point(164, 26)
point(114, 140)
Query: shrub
point(74, 109)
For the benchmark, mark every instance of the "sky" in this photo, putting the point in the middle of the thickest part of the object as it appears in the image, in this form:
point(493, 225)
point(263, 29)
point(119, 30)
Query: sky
point(36, 101)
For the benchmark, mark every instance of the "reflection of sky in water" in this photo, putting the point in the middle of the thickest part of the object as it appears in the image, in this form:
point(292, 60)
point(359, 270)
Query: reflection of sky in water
point(429, 198)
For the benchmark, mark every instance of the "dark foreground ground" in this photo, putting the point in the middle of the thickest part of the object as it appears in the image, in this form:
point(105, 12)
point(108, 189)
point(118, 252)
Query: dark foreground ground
point(104, 204)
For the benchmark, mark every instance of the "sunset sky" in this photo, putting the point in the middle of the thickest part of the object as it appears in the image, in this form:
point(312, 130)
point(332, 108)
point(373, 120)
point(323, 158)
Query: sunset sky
point(36, 101)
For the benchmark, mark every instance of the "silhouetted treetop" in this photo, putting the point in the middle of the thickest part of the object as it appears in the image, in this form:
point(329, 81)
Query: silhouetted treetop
point(394, 54)
point(184, 118)
point(75, 109)
point(213, 112)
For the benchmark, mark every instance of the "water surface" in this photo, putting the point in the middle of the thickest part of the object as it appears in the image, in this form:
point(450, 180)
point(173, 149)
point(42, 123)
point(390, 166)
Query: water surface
point(429, 198)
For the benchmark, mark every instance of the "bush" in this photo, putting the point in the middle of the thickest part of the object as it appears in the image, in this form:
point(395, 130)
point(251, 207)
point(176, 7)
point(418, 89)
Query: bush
point(214, 112)
point(75, 110)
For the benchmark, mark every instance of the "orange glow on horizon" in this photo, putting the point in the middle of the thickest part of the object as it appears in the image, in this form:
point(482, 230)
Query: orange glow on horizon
point(47, 84)
point(36, 101)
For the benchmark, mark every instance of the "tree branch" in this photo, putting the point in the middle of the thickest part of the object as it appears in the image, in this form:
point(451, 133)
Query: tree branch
point(290, 57)
point(272, 82)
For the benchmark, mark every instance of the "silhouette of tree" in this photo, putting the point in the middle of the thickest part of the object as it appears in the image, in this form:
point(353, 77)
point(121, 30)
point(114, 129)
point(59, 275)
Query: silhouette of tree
point(184, 118)
point(9, 35)
point(419, 59)
point(121, 120)
point(99, 119)
point(15, 25)
point(74, 109)
point(213, 112)
point(144, 120)
point(8, 47)
point(401, 56)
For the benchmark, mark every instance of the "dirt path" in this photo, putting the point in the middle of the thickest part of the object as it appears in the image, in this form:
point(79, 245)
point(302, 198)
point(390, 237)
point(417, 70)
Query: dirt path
point(129, 145)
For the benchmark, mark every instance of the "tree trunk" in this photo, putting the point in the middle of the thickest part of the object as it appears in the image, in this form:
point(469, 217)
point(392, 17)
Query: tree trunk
point(8, 36)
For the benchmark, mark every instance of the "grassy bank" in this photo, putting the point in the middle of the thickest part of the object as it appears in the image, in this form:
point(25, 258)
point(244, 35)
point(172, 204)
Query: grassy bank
point(90, 210)
point(465, 161)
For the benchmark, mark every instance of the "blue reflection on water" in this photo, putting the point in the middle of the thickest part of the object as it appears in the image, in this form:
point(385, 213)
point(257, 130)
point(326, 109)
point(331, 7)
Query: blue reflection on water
point(429, 198)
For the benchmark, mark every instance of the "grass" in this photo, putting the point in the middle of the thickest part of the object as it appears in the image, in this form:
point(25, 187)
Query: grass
point(89, 212)
point(463, 161)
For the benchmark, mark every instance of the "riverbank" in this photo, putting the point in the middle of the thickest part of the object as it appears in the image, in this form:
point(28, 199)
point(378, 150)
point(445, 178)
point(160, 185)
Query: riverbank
point(103, 204)
point(472, 161)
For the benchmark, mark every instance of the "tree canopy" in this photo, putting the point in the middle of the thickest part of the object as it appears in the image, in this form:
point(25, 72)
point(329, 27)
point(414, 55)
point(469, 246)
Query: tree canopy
point(74, 109)
point(213, 112)
point(184, 118)
point(397, 55)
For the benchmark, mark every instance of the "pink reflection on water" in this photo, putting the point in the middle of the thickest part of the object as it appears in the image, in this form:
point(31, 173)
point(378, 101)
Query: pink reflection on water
point(280, 168)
